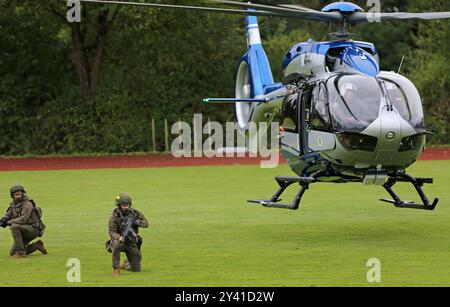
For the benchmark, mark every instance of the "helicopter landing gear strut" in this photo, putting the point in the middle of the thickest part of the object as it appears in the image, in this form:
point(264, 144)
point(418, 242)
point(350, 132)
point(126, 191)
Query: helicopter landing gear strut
point(284, 183)
point(417, 183)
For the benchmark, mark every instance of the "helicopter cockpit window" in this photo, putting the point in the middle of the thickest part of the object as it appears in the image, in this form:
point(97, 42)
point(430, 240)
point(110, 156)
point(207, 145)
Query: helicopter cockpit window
point(290, 113)
point(404, 97)
point(354, 101)
point(398, 99)
point(318, 116)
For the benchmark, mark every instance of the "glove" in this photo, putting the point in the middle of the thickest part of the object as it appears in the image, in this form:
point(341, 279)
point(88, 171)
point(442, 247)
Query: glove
point(136, 223)
point(3, 223)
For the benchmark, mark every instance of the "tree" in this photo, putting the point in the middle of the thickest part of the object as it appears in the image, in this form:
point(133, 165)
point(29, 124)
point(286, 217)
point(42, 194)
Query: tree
point(88, 43)
point(431, 69)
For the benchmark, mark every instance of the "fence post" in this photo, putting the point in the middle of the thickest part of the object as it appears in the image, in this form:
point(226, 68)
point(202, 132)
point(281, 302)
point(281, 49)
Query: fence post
point(210, 136)
point(166, 135)
point(153, 135)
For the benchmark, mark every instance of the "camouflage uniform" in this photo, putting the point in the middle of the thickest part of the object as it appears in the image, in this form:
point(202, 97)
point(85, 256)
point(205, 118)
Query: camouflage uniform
point(132, 244)
point(25, 226)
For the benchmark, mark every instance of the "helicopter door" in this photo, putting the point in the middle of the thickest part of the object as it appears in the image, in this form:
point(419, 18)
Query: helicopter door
point(303, 113)
point(320, 136)
point(289, 124)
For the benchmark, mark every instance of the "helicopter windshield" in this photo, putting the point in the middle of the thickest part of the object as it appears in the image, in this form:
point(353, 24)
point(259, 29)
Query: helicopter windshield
point(354, 101)
point(404, 97)
point(398, 99)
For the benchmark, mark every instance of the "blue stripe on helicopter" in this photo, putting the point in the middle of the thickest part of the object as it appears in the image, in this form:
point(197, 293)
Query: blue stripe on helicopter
point(323, 48)
point(260, 73)
point(261, 77)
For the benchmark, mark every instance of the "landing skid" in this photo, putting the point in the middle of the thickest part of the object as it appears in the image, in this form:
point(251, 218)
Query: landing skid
point(418, 184)
point(304, 182)
point(284, 183)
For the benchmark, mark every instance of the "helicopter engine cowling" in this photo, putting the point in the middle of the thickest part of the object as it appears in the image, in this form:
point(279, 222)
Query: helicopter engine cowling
point(353, 59)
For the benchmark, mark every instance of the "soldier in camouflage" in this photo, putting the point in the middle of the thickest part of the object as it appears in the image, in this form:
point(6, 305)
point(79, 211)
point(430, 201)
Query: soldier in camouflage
point(25, 222)
point(130, 245)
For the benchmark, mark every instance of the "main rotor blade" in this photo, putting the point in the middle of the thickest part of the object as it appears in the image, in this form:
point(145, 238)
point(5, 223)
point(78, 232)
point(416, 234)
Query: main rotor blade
point(274, 12)
point(298, 11)
point(298, 7)
point(366, 17)
point(191, 8)
point(249, 5)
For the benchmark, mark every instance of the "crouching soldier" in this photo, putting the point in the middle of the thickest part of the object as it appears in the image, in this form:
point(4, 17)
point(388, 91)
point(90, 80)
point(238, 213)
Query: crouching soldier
point(24, 219)
point(124, 231)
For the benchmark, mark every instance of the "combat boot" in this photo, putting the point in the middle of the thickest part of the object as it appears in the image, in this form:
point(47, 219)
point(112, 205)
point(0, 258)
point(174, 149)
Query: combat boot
point(116, 272)
point(39, 245)
point(19, 255)
point(126, 265)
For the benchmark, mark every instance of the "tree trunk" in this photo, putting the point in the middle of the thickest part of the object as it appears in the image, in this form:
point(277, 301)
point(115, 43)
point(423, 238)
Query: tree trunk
point(81, 62)
point(89, 75)
point(101, 40)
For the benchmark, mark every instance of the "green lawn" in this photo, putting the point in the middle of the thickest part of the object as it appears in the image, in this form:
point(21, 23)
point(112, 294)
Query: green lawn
point(202, 234)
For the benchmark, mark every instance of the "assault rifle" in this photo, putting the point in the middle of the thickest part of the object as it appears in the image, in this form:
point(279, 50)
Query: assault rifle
point(127, 227)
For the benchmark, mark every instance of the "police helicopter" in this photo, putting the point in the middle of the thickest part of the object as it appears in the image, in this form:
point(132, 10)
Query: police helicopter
point(342, 120)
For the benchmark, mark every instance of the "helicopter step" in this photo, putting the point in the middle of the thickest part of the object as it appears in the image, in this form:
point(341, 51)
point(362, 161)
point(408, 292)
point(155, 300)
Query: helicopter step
point(417, 183)
point(284, 183)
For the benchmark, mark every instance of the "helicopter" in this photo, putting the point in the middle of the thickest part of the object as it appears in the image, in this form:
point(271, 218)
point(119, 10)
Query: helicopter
point(342, 119)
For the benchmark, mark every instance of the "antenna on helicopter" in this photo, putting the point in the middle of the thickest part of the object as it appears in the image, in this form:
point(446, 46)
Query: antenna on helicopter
point(401, 65)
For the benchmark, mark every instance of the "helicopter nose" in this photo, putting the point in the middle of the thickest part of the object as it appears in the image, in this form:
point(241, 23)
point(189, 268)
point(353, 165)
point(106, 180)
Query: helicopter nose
point(390, 135)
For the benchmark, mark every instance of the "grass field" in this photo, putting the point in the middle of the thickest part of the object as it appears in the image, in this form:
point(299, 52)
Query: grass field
point(202, 234)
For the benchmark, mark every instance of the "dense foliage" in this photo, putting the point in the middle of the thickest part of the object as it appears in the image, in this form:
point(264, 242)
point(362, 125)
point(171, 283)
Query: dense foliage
point(95, 86)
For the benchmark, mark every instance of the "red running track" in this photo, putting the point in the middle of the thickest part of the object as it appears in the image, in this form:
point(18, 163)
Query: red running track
point(148, 161)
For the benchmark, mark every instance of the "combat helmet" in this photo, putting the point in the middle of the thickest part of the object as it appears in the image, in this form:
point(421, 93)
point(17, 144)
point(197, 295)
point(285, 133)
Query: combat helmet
point(123, 198)
point(16, 188)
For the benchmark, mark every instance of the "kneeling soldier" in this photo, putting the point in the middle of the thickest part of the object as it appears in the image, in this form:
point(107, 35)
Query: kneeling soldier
point(124, 228)
point(24, 218)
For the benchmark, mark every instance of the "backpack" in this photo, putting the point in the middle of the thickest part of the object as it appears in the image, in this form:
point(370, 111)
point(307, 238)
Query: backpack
point(40, 225)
